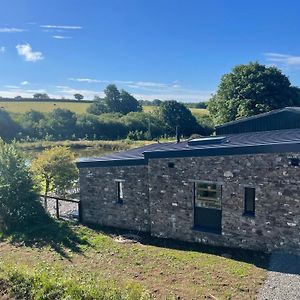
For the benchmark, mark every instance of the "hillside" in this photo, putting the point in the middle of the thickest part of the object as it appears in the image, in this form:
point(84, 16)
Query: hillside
point(78, 107)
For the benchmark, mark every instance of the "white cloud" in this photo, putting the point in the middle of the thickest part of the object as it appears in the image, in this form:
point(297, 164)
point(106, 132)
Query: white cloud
point(11, 30)
point(11, 86)
point(149, 90)
point(2, 49)
point(88, 80)
point(60, 27)
point(68, 92)
point(61, 37)
point(25, 82)
point(283, 59)
point(25, 50)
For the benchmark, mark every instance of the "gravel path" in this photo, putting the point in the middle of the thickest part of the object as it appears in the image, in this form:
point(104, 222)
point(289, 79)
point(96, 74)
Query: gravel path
point(67, 210)
point(283, 282)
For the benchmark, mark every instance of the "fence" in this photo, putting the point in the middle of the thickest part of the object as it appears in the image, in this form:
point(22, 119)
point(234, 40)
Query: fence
point(56, 208)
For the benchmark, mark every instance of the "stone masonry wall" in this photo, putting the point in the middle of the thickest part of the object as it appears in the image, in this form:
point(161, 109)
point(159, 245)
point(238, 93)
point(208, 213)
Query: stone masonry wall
point(276, 224)
point(99, 197)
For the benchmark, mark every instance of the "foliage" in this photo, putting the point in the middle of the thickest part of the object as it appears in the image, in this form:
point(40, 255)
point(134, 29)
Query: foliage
point(98, 107)
point(61, 122)
point(114, 102)
point(19, 203)
point(40, 96)
point(175, 114)
point(8, 128)
point(78, 97)
point(54, 169)
point(249, 90)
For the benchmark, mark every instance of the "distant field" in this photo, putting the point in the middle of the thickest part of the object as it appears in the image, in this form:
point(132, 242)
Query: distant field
point(195, 111)
point(80, 108)
point(45, 107)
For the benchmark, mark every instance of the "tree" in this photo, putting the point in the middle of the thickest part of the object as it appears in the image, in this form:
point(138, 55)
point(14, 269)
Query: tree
point(78, 97)
point(128, 103)
point(98, 107)
point(114, 102)
point(62, 122)
point(40, 96)
point(175, 114)
point(8, 127)
point(112, 98)
point(54, 170)
point(249, 90)
point(19, 202)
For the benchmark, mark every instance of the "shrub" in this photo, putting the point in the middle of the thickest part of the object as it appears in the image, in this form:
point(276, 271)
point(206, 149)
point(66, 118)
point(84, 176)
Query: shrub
point(19, 203)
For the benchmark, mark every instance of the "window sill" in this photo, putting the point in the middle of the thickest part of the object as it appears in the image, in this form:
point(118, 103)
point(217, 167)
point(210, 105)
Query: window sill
point(207, 230)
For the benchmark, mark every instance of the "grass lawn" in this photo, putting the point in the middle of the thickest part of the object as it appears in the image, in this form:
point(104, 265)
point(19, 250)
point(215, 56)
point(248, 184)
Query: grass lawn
point(78, 261)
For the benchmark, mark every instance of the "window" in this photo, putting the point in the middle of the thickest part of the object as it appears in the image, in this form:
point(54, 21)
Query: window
point(120, 192)
point(207, 207)
point(249, 201)
point(207, 195)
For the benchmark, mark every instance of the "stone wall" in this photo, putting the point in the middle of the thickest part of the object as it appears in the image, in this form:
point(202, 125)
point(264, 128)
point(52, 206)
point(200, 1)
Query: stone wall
point(99, 197)
point(276, 224)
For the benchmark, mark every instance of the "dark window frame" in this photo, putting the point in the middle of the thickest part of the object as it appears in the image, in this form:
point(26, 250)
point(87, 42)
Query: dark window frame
point(249, 195)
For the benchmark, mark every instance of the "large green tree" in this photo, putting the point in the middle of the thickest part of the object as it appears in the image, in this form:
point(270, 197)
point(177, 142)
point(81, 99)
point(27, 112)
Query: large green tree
point(249, 90)
point(115, 101)
point(175, 114)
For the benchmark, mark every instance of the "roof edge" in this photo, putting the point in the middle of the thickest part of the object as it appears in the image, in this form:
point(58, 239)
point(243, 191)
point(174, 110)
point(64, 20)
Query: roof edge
point(111, 163)
point(239, 150)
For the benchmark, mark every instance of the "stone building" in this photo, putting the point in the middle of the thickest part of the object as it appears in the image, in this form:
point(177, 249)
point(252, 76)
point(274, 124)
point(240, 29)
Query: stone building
point(238, 189)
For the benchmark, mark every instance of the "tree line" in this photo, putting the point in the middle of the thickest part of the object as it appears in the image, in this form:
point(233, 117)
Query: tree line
point(116, 116)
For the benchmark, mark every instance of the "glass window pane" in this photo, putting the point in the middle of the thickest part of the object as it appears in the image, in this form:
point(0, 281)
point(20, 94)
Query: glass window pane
point(249, 200)
point(207, 195)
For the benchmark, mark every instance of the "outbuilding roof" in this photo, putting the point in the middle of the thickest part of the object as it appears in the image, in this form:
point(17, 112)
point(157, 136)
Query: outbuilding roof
point(275, 141)
point(278, 119)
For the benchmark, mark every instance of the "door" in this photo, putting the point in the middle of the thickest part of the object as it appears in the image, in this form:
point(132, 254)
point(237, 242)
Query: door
point(207, 206)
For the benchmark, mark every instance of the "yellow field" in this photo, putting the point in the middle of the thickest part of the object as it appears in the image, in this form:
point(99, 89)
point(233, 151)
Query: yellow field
point(195, 111)
point(45, 107)
point(79, 108)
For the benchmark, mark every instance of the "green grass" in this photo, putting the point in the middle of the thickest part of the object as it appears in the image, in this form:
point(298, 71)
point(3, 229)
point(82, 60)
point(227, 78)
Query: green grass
point(45, 107)
point(76, 262)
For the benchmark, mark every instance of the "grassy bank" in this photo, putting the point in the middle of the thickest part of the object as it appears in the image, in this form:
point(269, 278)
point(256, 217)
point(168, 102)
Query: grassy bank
point(86, 263)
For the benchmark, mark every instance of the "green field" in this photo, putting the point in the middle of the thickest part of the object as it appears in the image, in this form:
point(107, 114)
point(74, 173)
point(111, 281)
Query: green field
point(75, 262)
point(79, 108)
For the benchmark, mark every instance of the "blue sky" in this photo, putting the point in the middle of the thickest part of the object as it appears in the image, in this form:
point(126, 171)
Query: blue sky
point(175, 49)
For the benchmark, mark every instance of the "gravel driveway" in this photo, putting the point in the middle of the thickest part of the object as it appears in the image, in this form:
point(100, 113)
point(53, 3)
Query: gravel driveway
point(283, 282)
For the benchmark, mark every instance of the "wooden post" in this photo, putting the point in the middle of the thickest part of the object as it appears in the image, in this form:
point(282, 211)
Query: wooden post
point(57, 209)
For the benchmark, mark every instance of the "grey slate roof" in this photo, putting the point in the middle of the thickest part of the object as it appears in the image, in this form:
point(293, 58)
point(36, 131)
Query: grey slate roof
point(275, 141)
point(279, 119)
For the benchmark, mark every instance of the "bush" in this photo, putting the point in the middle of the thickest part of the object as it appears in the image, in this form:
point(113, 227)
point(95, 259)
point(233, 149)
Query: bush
point(19, 203)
